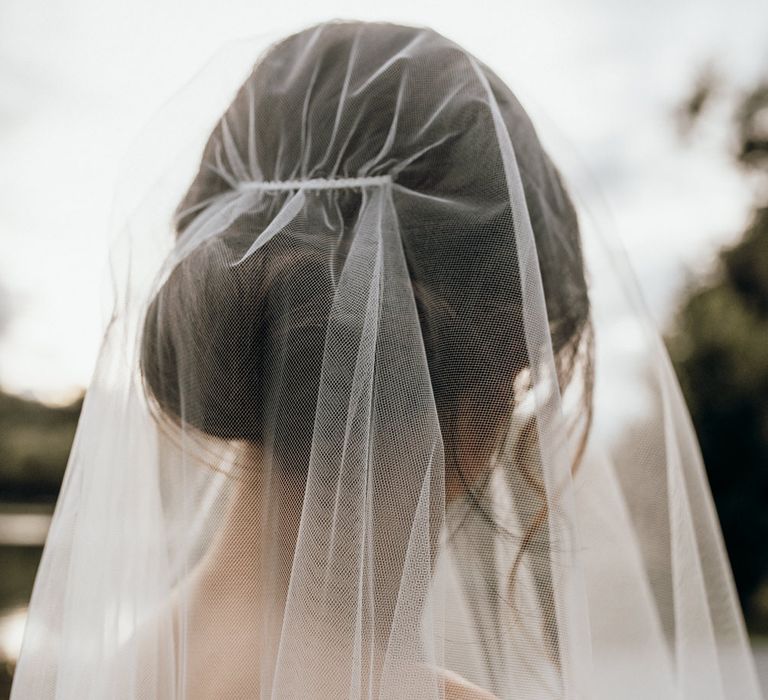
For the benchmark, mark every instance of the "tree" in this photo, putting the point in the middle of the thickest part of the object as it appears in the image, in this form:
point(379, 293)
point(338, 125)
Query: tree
point(35, 440)
point(719, 345)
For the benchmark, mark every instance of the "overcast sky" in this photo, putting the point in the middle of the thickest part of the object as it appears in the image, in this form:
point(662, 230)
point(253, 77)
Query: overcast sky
point(600, 78)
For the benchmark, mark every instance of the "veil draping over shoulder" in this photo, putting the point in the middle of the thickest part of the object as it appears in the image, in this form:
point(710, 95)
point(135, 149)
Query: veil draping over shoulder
point(359, 425)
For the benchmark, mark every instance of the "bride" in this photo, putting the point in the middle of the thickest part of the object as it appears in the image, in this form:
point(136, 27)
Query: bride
point(347, 434)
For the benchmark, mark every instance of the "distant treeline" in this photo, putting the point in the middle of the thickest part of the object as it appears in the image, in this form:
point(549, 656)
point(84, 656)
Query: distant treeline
point(35, 440)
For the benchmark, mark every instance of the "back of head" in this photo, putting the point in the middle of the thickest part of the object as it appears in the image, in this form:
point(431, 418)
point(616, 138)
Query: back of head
point(353, 100)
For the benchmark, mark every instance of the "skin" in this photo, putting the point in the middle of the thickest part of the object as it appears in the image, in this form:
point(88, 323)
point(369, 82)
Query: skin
point(225, 596)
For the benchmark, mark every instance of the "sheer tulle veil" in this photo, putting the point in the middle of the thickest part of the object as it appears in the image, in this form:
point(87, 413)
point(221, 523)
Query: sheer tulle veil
point(376, 414)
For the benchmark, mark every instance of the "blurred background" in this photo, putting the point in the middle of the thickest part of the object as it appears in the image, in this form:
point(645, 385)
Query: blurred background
point(656, 112)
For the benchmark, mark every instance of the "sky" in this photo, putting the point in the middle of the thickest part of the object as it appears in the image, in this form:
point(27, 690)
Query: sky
point(80, 79)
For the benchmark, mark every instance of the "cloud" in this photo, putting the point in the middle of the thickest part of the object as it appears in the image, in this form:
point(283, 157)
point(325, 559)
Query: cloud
point(5, 309)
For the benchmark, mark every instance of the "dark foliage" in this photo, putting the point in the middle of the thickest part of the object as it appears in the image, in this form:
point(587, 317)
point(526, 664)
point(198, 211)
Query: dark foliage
point(720, 350)
point(35, 440)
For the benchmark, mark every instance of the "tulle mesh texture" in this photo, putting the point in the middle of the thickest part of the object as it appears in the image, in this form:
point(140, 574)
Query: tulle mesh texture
point(357, 428)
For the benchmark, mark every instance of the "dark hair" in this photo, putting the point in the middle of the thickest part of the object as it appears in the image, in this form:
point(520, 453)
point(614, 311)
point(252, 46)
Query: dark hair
point(245, 312)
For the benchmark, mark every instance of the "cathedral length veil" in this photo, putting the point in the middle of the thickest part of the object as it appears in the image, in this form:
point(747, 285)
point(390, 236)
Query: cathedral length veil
point(374, 417)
